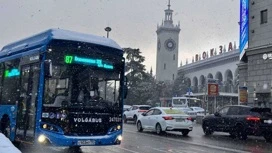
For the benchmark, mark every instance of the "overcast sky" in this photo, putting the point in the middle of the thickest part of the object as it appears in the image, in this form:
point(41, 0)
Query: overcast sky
point(205, 24)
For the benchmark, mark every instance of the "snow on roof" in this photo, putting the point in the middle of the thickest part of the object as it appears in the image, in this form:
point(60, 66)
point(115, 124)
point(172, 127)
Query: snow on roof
point(7, 146)
point(45, 37)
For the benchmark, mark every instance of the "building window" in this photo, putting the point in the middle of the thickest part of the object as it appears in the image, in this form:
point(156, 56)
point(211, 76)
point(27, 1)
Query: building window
point(263, 16)
point(164, 66)
point(173, 76)
point(174, 57)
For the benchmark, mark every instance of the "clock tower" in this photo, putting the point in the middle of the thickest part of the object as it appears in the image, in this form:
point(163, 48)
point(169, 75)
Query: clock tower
point(167, 48)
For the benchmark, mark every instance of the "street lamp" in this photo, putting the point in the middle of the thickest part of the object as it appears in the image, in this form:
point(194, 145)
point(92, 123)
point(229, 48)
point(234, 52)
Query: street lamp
point(108, 29)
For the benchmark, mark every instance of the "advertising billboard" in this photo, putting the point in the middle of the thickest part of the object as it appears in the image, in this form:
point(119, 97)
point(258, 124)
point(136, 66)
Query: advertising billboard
point(244, 19)
point(243, 95)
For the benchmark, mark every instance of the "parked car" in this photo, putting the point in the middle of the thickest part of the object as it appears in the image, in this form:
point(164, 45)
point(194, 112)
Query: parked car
point(240, 121)
point(134, 111)
point(161, 119)
point(189, 112)
point(199, 110)
point(126, 108)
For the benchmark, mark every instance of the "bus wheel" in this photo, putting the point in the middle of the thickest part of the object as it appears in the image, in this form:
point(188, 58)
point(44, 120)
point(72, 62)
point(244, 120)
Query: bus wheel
point(75, 148)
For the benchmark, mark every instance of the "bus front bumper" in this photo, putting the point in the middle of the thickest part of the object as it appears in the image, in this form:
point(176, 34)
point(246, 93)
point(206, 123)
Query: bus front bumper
point(55, 139)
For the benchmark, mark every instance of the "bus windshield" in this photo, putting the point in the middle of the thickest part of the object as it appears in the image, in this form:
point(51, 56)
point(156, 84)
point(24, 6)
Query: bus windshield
point(83, 80)
point(179, 101)
point(194, 103)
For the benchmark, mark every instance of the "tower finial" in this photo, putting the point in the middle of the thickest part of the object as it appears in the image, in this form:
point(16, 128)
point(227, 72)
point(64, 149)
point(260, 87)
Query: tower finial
point(169, 4)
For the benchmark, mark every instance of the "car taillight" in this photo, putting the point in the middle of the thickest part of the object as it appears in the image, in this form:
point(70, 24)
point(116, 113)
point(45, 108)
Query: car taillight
point(256, 119)
point(141, 111)
point(167, 117)
point(189, 118)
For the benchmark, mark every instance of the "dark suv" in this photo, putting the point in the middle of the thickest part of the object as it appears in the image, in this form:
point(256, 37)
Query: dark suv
point(240, 121)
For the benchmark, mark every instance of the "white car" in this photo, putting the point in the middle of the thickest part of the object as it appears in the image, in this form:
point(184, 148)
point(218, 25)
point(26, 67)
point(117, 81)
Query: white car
point(126, 107)
point(161, 119)
point(199, 110)
point(189, 112)
point(134, 111)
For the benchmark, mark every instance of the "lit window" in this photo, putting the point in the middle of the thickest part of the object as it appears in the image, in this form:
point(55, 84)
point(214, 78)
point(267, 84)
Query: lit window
point(263, 16)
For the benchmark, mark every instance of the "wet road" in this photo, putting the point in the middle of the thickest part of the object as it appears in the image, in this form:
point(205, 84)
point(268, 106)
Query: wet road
point(174, 142)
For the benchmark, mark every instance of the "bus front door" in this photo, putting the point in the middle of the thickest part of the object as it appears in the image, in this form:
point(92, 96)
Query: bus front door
point(27, 106)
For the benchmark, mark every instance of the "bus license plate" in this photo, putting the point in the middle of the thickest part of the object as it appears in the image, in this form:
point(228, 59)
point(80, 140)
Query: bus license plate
point(179, 119)
point(85, 142)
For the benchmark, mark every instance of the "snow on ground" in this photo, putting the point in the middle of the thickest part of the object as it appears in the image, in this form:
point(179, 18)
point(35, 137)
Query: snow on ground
point(6, 146)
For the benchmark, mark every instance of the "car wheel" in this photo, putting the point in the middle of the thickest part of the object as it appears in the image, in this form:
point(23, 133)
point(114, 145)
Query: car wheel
point(185, 132)
point(125, 119)
point(135, 118)
point(139, 127)
point(232, 135)
point(240, 132)
point(158, 129)
point(207, 129)
point(268, 137)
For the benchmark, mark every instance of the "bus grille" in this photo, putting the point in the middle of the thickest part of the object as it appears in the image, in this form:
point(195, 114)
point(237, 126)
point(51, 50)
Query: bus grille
point(87, 129)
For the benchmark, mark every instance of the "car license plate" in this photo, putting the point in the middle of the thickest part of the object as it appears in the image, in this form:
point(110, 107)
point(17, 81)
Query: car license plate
point(268, 121)
point(85, 142)
point(179, 120)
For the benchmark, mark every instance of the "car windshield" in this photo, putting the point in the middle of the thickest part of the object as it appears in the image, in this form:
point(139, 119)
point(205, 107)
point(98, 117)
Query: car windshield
point(198, 108)
point(144, 108)
point(101, 76)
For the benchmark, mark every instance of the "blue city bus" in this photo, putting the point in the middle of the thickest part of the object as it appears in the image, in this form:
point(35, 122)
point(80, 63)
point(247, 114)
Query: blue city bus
point(62, 88)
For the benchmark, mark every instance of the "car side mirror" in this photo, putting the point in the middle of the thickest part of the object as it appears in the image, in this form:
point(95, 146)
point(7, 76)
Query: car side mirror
point(216, 114)
point(48, 70)
point(144, 114)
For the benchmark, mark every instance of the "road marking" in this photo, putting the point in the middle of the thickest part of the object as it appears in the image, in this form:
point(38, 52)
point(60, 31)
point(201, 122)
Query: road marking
point(159, 150)
point(196, 149)
point(193, 143)
point(127, 149)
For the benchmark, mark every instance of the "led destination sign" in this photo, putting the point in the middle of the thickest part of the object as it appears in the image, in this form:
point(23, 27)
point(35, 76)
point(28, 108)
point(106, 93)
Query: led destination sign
point(12, 73)
point(88, 61)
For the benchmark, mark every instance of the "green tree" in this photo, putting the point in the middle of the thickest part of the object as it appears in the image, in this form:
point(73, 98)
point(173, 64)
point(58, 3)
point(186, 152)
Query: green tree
point(181, 85)
point(137, 77)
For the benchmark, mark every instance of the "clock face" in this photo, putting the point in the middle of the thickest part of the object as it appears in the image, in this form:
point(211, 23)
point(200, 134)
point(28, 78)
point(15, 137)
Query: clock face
point(170, 44)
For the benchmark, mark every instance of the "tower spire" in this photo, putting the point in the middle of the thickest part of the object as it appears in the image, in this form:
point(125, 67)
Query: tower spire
point(169, 5)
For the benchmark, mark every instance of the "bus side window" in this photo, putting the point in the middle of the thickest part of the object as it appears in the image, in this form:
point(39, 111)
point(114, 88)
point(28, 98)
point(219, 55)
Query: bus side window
point(11, 78)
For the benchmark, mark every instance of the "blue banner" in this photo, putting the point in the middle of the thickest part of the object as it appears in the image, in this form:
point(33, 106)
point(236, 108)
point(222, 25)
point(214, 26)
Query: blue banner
point(243, 25)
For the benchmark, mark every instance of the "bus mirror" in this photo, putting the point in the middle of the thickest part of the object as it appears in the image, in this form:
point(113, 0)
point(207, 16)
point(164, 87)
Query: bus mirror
point(126, 80)
point(125, 87)
point(48, 68)
point(125, 91)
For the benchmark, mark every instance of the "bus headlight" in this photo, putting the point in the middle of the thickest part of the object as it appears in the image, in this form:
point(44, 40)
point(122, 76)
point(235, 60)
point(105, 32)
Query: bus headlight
point(119, 138)
point(42, 138)
point(115, 128)
point(45, 126)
